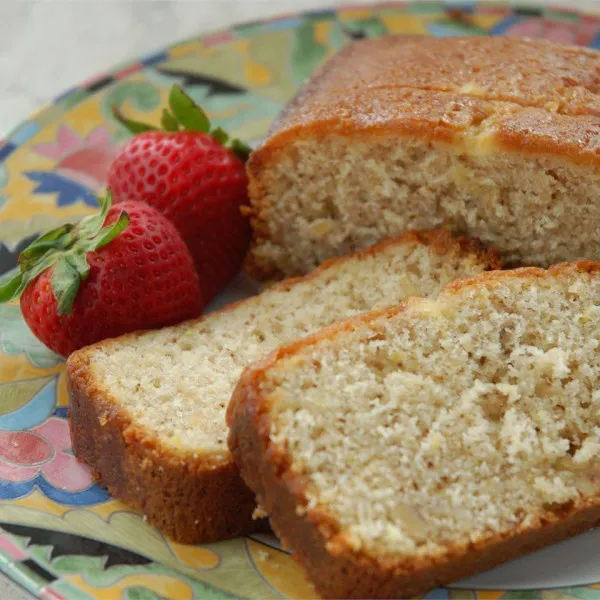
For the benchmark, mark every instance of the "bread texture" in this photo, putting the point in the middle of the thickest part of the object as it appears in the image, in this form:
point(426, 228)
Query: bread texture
point(147, 410)
point(492, 137)
point(403, 449)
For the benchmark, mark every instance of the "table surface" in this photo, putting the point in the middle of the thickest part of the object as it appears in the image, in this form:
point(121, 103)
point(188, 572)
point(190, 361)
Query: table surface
point(47, 46)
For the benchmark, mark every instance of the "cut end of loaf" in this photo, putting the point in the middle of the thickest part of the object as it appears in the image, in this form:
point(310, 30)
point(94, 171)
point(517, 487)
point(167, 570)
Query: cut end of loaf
point(316, 198)
point(418, 432)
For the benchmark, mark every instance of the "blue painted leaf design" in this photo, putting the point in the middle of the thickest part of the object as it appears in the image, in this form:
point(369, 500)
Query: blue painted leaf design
point(67, 192)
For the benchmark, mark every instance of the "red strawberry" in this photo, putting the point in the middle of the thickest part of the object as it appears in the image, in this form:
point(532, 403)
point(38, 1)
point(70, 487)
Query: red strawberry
point(189, 174)
point(125, 268)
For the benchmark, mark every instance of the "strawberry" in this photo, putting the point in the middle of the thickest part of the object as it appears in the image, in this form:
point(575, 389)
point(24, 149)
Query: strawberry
point(123, 269)
point(188, 173)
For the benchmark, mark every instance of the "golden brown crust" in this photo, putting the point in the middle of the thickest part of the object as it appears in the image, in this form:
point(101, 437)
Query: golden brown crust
point(484, 94)
point(531, 73)
point(527, 72)
point(439, 89)
point(193, 498)
point(335, 568)
point(445, 117)
point(186, 497)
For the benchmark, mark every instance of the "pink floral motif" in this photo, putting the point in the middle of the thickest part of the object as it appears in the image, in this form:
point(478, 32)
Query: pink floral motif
point(84, 160)
point(10, 549)
point(586, 31)
point(565, 32)
point(42, 450)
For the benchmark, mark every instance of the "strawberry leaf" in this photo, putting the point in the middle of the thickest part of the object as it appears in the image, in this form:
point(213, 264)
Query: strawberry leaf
point(108, 234)
point(189, 115)
point(91, 225)
point(65, 284)
point(168, 121)
point(240, 149)
point(60, 238)
point(66, 250)
point(132, 126)
point(220, 135)
point(39, 267)
point(12, 288)
point(78, 259)
point(184, 113)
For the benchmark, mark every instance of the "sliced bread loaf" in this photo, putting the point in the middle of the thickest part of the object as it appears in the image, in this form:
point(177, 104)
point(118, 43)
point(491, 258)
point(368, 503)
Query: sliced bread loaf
point(147, 410)
point(404, 449)
point(493, 137)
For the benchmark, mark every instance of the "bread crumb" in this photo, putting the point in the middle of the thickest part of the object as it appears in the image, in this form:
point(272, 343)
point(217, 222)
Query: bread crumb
point(263, 555)
point(259, 513)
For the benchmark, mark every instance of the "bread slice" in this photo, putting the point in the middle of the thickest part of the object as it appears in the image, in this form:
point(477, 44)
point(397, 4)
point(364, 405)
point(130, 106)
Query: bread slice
point(493, 137)
point(403, 449)
point(147, 410)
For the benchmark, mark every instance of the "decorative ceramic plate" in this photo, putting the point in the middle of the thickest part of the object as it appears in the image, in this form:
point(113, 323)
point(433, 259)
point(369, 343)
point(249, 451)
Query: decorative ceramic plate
point(62, 536)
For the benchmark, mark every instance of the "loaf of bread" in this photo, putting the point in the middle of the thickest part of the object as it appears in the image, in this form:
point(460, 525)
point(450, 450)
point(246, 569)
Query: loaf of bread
point(496, 138)
point(147, 410)
point(403, 449)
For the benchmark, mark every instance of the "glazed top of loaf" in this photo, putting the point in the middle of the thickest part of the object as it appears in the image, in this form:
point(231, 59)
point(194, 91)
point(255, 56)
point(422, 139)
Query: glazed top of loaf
point(484, 92)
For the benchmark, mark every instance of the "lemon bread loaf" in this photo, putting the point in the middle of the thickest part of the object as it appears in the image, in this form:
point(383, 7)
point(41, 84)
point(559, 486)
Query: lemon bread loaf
point(147, 410)
point(403, 449)
point(494, 137)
